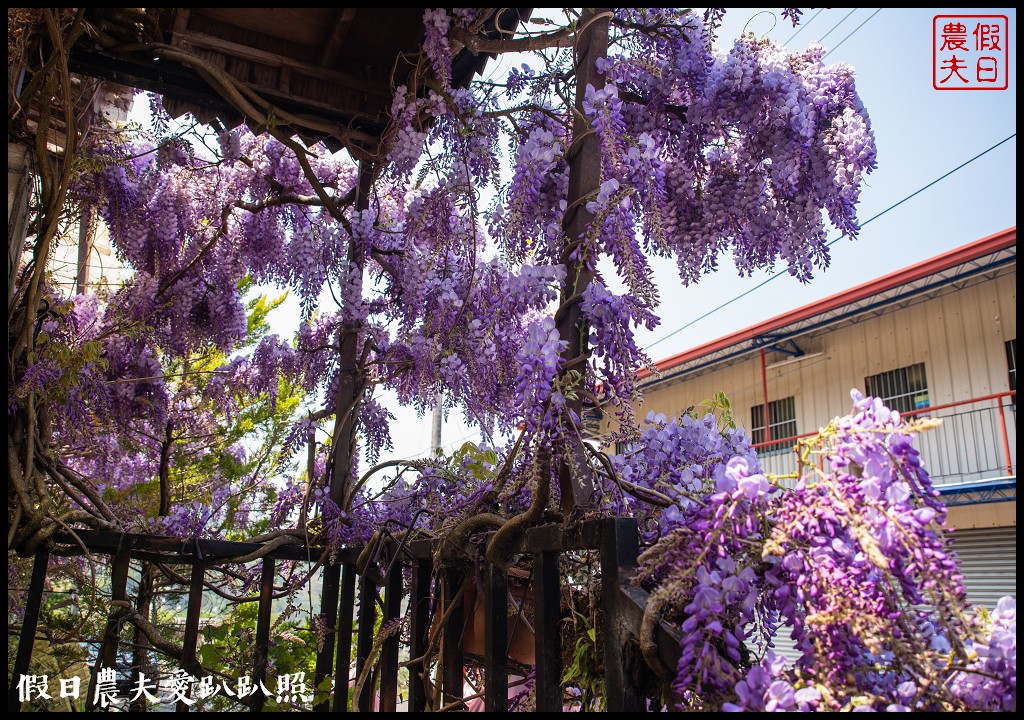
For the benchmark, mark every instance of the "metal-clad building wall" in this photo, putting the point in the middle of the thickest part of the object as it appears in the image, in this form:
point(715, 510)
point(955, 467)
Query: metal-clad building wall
point(959, 335)
point(988, 561)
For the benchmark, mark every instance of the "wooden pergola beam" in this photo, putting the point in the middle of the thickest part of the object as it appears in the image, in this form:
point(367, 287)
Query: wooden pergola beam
point(336, 36)
point(245, 52)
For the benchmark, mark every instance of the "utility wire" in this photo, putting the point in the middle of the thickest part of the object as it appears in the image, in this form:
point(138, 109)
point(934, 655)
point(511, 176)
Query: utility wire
point(895, 205)
point(822, 38)
point(836, 47)
point(780, 272)
point(802, 26)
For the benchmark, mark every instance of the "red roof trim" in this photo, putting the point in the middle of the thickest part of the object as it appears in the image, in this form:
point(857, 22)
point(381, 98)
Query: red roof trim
point(972, 251)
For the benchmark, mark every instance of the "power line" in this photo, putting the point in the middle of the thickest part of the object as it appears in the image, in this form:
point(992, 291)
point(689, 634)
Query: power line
point(822, 38)
point(851, 34)
point(802, 26)
point(833, 242)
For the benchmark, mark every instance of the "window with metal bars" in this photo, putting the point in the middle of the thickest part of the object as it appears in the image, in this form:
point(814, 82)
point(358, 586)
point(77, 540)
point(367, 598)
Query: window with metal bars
point(592, 417)
point(903, 389)
point(1011, 363)
point(781, 424)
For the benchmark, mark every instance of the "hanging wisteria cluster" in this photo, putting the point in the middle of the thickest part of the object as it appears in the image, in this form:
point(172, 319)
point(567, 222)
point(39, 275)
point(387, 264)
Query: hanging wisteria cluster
point(170, 408)
point(851, 564)
point(198, 240)
point(701, 153)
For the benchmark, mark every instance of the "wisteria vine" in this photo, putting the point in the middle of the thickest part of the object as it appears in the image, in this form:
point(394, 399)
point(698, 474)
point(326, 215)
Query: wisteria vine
point(166, 405)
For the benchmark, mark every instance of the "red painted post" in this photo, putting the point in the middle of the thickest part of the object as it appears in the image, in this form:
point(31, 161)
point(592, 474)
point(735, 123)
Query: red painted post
point(764, 388)
point(1006, 439)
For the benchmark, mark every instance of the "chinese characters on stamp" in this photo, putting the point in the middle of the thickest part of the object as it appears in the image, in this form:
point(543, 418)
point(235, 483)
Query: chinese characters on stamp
point(970, 52)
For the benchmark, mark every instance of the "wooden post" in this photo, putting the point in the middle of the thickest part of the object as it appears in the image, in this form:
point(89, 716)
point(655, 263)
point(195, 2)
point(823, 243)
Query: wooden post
point(620, 546)
point(367, 621)
point(259, 673)
point(389, 650)
point(344, 657)
point(33, 603)
point(419, 631)
point(19, 188)
point(195, 602)
point(107, 656)
point(547, 603)
point(451, 646)
point(495, 640)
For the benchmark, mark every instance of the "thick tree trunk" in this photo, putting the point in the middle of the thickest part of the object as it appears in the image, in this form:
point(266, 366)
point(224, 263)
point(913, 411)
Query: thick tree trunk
point(348, 394)
point(576, 485)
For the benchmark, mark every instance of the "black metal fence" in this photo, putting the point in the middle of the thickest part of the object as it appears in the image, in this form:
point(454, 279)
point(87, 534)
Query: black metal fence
point(404, 584)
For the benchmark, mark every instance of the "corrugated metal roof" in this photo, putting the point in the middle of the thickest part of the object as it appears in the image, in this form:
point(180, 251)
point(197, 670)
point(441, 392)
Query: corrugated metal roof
point(990, 255)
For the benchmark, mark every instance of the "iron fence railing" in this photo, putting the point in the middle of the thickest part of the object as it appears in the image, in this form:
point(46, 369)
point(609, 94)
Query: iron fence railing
point(400, 583)
point(976, 441)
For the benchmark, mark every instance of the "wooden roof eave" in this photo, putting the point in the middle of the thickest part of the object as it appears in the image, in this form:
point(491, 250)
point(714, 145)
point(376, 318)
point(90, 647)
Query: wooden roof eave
point(272, 68)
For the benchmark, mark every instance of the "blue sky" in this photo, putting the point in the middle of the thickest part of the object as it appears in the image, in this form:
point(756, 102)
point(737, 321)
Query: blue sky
point(921, 133)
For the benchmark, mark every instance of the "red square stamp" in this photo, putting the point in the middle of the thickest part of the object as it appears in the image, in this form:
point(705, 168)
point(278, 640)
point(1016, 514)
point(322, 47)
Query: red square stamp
point(970, 52)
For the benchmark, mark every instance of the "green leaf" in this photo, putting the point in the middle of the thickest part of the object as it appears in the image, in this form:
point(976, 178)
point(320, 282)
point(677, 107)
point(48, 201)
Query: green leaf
point(208, 655)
